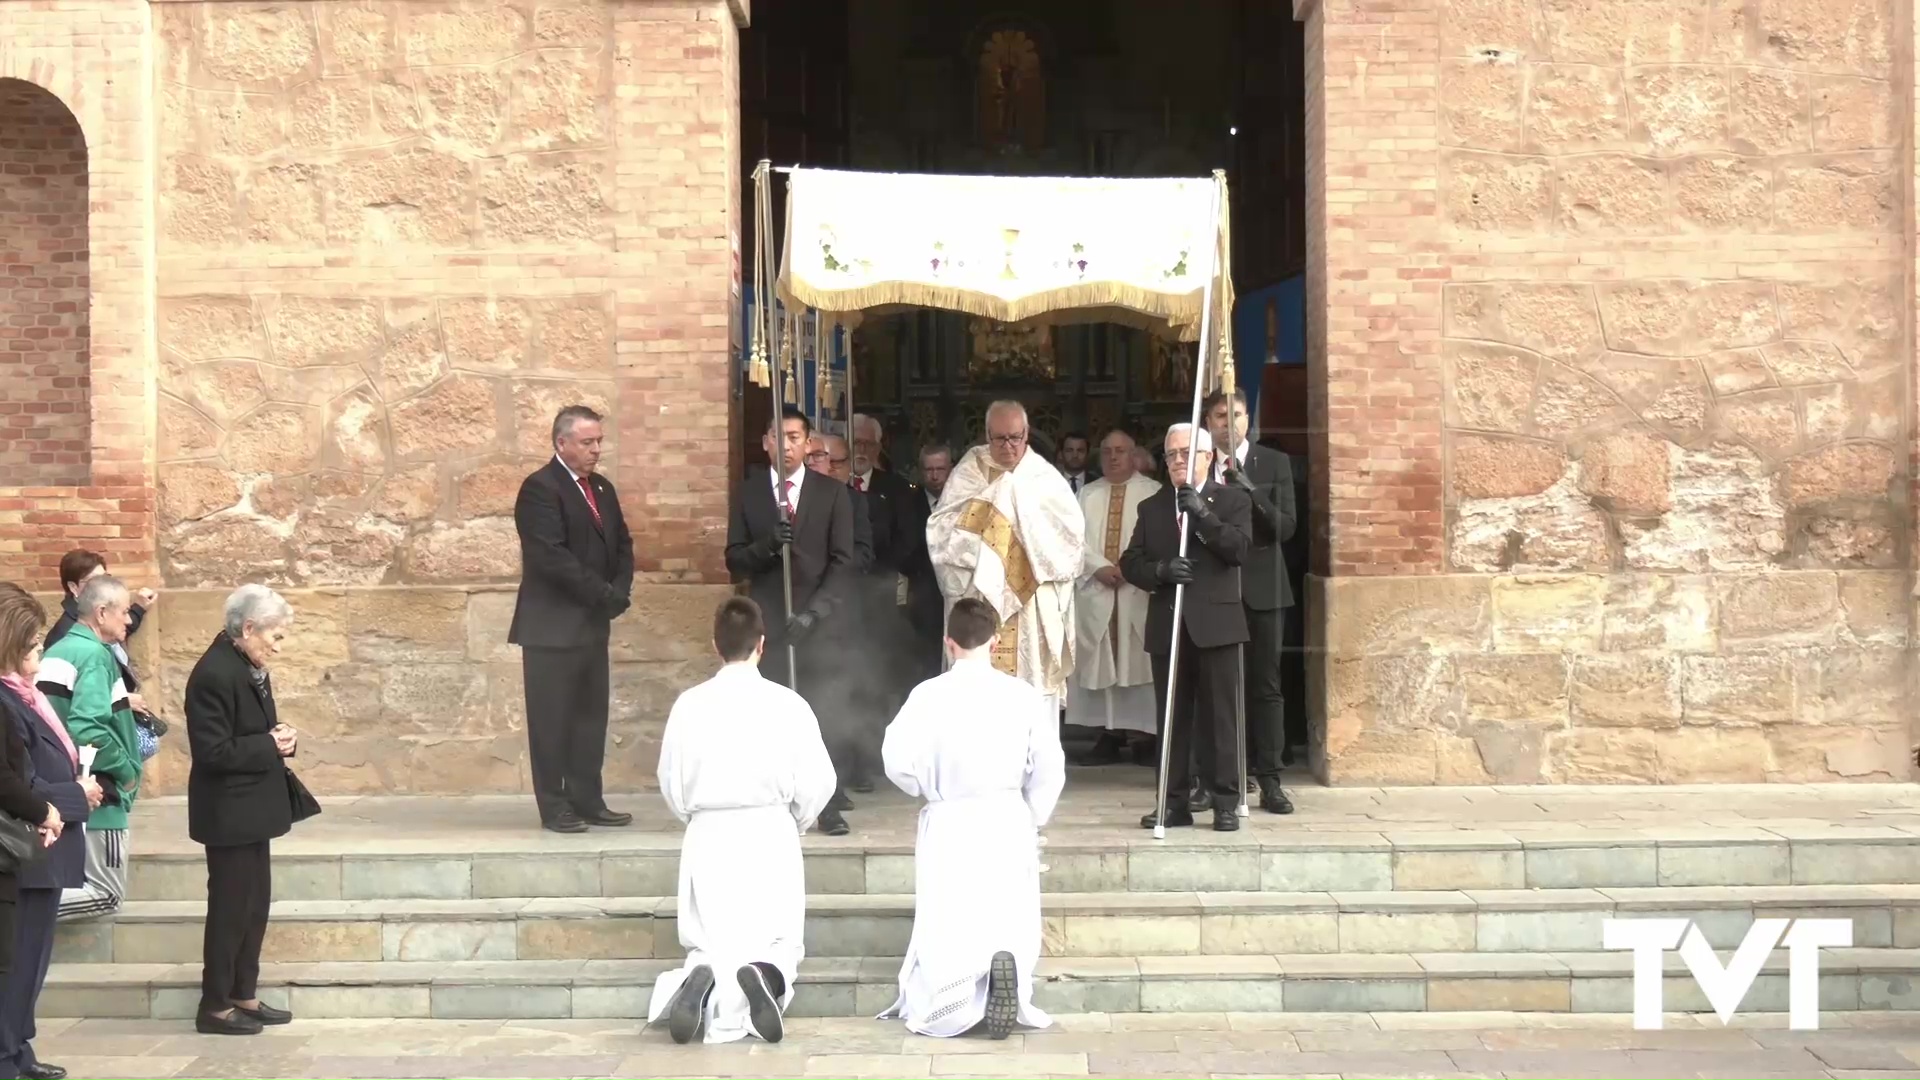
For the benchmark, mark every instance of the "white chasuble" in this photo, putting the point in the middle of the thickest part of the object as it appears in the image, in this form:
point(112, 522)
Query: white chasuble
point(983, 748)
point(1016, 539)
point(1113, 679)
point(742, 763)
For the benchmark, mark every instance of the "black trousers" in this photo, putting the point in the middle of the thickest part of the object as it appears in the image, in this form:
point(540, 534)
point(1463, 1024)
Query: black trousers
point(567, 726)
point(34, 916)
point(239, 892)
point(1203, 728)
point(1266, 703)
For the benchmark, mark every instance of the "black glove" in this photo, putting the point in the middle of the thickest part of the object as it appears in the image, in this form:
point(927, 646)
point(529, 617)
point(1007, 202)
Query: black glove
point(617, 603)
point(1239, 479)
point(801, 625)
point(1191, 503)
point(1177, 571)
point(782, 535)
point(109, 789)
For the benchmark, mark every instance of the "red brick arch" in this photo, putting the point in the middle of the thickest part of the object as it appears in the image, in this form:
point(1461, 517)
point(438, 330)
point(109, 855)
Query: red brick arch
point(109, 506)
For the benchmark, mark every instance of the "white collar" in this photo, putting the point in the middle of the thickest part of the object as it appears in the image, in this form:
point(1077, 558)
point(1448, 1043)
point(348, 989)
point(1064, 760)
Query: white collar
point(796, 477)
point(864, 479)
point(569, 468)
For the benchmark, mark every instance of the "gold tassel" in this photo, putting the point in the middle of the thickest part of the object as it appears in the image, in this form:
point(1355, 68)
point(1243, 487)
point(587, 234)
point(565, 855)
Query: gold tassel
point(757, 366)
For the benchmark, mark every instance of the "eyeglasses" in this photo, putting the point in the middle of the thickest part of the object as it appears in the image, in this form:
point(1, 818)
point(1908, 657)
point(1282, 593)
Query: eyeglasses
point(1009, 440)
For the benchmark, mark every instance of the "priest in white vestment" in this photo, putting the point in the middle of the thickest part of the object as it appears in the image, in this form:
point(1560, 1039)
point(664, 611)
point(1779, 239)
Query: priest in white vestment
point(983, 748)
point(1008, 530)
point(743, 764)
point(1112, 688)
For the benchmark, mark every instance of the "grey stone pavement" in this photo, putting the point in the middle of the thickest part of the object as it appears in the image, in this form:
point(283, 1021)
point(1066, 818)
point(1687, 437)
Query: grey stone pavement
point(1088, 1045)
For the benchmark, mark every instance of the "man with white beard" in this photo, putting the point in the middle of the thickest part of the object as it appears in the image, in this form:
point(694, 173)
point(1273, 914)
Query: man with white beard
point(983, 748)
point(742, 763)
point(1112, 688)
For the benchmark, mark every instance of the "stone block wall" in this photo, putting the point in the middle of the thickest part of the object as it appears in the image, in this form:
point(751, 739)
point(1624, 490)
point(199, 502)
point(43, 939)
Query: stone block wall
point(1618, 363)
point(394, 239)
point(43, 289)
point(415, 690)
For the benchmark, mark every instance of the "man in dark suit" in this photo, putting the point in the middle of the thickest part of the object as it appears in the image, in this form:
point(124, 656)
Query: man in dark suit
point(1264, 475)
point(1212, 622)
point(808, 515)
point(898, 510)
point(576, 559)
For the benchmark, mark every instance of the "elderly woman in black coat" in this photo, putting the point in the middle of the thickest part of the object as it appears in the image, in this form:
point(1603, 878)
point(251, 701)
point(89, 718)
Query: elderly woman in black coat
point(40, 784)
point(240, 797)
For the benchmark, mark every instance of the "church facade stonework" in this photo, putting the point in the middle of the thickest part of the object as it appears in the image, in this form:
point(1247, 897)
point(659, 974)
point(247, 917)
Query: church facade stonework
point(1610, 322)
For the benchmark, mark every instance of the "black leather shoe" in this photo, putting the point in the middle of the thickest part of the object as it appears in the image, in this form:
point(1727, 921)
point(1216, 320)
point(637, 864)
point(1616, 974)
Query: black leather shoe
point(266, 1014)
point(234, 1023)
point(687, 1015)
point(1199, 795)
point(861, 784)
point(1272, 799)
point(832, 824)
point(43, 1071)
point(565, 821)
point(611, 819)
point(763, 1012)
point(839, 804)
point(1226, 814)
point(1177, 817)
point(1106, 750)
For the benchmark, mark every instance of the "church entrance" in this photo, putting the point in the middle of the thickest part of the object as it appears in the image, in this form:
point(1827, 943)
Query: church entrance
point(1053, 88)
point(1065, 88)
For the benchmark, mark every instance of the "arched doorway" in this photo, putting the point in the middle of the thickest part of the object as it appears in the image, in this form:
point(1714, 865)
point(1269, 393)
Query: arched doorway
point(45, 418)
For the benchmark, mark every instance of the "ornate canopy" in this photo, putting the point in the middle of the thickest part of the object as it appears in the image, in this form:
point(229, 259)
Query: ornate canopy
point(1014, 249)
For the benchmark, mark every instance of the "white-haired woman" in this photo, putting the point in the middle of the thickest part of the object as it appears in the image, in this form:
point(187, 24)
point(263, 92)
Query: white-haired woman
point(240, 797)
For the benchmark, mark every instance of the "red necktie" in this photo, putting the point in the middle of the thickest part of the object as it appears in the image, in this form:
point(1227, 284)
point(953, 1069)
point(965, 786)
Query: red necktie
point(586, 488)
point(786, 500)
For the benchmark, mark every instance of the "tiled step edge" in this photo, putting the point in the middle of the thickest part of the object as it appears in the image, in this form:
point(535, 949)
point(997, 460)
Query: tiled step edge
point(1850, 980)
point(1536, 920)
point(1356, 862)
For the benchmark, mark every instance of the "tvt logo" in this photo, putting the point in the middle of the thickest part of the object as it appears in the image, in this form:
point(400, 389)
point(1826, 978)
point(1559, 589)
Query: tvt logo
point(1727, 986)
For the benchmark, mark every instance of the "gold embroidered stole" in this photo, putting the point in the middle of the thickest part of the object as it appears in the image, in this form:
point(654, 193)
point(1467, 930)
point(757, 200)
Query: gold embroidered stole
point(997, 532)
point(1116, 505)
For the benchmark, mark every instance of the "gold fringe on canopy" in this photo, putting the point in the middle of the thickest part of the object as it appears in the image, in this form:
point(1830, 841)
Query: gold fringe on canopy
point(1012, 249)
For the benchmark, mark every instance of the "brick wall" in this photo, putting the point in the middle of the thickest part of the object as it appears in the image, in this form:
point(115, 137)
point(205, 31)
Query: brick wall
point(43, 288)
point(94, 57)
point(1618, 344)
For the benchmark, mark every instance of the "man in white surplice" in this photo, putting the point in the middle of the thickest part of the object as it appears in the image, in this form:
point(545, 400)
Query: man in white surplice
point(742, 763)
point(1009, 531)
point(983, 748)
point(1112, 679)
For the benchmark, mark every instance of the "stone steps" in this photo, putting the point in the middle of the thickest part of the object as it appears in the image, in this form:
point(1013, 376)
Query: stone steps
point(1851, 979)
point(1076, 924)
point(1084, 860)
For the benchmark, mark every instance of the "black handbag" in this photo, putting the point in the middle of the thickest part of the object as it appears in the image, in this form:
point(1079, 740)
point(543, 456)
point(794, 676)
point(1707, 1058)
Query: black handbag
point(20, 845)
point(304, 804)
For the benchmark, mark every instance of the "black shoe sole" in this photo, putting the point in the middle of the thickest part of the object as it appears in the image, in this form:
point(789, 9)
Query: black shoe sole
point(1176, 819)
point(619, 822)
point(1003, 996)
point(564, 826)
point(688, 1013)
point(763, 1013)
point(45, 1072)
point(207, 1026)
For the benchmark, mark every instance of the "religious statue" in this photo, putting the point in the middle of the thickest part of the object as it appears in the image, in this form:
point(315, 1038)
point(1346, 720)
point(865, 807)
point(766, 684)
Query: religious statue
point(1012, 93)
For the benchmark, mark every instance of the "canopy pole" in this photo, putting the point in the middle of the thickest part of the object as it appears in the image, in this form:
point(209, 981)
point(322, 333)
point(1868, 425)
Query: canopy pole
point(1201, 368)
point(766, 322)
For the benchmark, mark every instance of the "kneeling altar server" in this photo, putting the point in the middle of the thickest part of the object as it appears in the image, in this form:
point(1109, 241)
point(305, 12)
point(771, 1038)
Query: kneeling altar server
point(983, 747)
point(742, 763)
